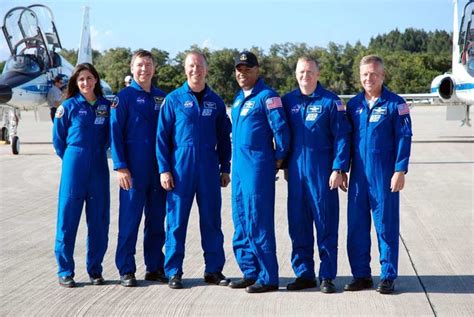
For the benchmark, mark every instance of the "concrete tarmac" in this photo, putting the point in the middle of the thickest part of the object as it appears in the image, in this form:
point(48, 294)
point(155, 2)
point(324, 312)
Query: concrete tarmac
point(436, 243)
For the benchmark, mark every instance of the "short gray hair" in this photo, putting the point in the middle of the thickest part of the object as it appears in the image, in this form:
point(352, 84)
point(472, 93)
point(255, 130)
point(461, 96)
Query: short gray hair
point(369, 59)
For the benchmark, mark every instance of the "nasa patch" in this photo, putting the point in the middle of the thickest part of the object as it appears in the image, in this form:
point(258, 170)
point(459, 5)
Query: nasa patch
point(188, 104)
point(115, 102)
point(295, 109)
point(59, 112)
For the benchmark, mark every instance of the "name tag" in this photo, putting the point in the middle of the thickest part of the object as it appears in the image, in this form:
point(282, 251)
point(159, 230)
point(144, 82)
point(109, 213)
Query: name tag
point(99, 120)
point(206, 112)
point(374, 118)
point(244, 112)
point(311, 116)
point(158, 102)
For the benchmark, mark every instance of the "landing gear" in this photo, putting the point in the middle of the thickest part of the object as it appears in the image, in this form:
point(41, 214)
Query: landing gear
point(16, 145)
point(10, 117)
point(467, 120)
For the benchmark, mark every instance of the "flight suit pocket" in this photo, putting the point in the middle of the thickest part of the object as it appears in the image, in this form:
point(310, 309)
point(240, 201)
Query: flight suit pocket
point(74, 174)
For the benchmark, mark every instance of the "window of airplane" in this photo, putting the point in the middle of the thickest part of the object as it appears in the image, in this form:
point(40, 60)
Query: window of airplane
point(26, 64)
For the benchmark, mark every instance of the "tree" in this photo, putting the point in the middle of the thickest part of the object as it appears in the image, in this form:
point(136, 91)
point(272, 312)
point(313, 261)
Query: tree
point(114, 65)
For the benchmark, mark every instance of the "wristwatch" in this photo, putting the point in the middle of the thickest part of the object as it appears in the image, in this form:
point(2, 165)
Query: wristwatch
point(339, 171)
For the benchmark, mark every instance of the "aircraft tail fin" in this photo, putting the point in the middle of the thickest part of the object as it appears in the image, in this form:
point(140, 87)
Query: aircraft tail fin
point(456, 49)
point(85, 49)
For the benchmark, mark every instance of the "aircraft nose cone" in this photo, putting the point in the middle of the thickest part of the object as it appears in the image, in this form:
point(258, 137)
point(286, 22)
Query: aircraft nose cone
point(5, 93)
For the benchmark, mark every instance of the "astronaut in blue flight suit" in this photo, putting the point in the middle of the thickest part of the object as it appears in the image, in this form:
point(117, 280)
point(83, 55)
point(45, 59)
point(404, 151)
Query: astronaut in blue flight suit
point(258, 120)
point(81, 139)
point(380, 152)
point(134, 119)
point(317, 163)
point(193, 151)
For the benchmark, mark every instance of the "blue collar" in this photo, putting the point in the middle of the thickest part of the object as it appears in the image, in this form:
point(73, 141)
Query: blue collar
point(316, 93)
point(188, 89)
point(136, 86)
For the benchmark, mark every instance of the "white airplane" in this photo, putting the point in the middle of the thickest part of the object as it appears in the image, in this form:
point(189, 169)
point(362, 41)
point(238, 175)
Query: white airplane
point(458, 87)
point(33, 40)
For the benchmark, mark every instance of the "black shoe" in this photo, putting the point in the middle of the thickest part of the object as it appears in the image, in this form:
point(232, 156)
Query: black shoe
point(216, 278)
point(128, 280)
point(175, 282)
point(158, 276)
point(386, 287)
point(261, 288)
point(327, 286)
point(242, 283)
point(301, 283)
point(358, 284)
point(97, 279)
point(66, 281)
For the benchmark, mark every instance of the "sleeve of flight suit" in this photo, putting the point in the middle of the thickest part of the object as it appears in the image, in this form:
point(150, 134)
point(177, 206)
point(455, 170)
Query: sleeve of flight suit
point(224, 127)
point(340, 129)
point(118, 118)
point(277, 120)
point(107, 102)
point(60, 130)
point(164, 144)
point(285, 100)
point(403, 134)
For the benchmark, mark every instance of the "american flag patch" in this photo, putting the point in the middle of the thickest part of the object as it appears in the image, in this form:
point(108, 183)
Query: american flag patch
point(273, 103)
point(340, 105)
point(403, 109)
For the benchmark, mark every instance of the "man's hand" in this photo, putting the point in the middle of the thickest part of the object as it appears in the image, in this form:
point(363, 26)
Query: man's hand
point(124, 178)
point(225, 179)
point(335, 180)
point(344, 184)
point(167, 181)
point(398, 182)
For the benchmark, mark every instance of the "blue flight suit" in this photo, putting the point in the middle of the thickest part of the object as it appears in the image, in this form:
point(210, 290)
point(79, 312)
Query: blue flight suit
point(193, 143)
point(257, 121)
point(81, 139)
point(380, 146)
point(320, 134)
point(134, 118)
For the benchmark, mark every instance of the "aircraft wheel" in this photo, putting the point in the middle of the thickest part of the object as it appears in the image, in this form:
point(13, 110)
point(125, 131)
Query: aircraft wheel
point(4, 134)
point(16, 145)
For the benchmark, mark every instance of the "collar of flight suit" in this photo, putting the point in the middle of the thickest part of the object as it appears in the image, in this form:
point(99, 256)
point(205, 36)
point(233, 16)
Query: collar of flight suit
point(153, 90)
point(318, 92)
point(258, 87)
point(189, 90)
point(383, 97)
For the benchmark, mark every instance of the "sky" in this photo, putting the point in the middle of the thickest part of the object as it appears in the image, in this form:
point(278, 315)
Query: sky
point(174, 26)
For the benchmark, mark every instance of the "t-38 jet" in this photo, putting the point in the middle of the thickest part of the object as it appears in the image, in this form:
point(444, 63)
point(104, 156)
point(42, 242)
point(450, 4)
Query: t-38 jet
point(33, 41)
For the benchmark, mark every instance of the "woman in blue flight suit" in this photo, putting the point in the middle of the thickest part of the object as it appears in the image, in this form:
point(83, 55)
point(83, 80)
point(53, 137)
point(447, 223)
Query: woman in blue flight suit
point(81, 138)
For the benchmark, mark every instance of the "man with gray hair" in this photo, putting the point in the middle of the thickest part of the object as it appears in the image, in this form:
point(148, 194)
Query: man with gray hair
point(381, 144)
point(317, 166)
